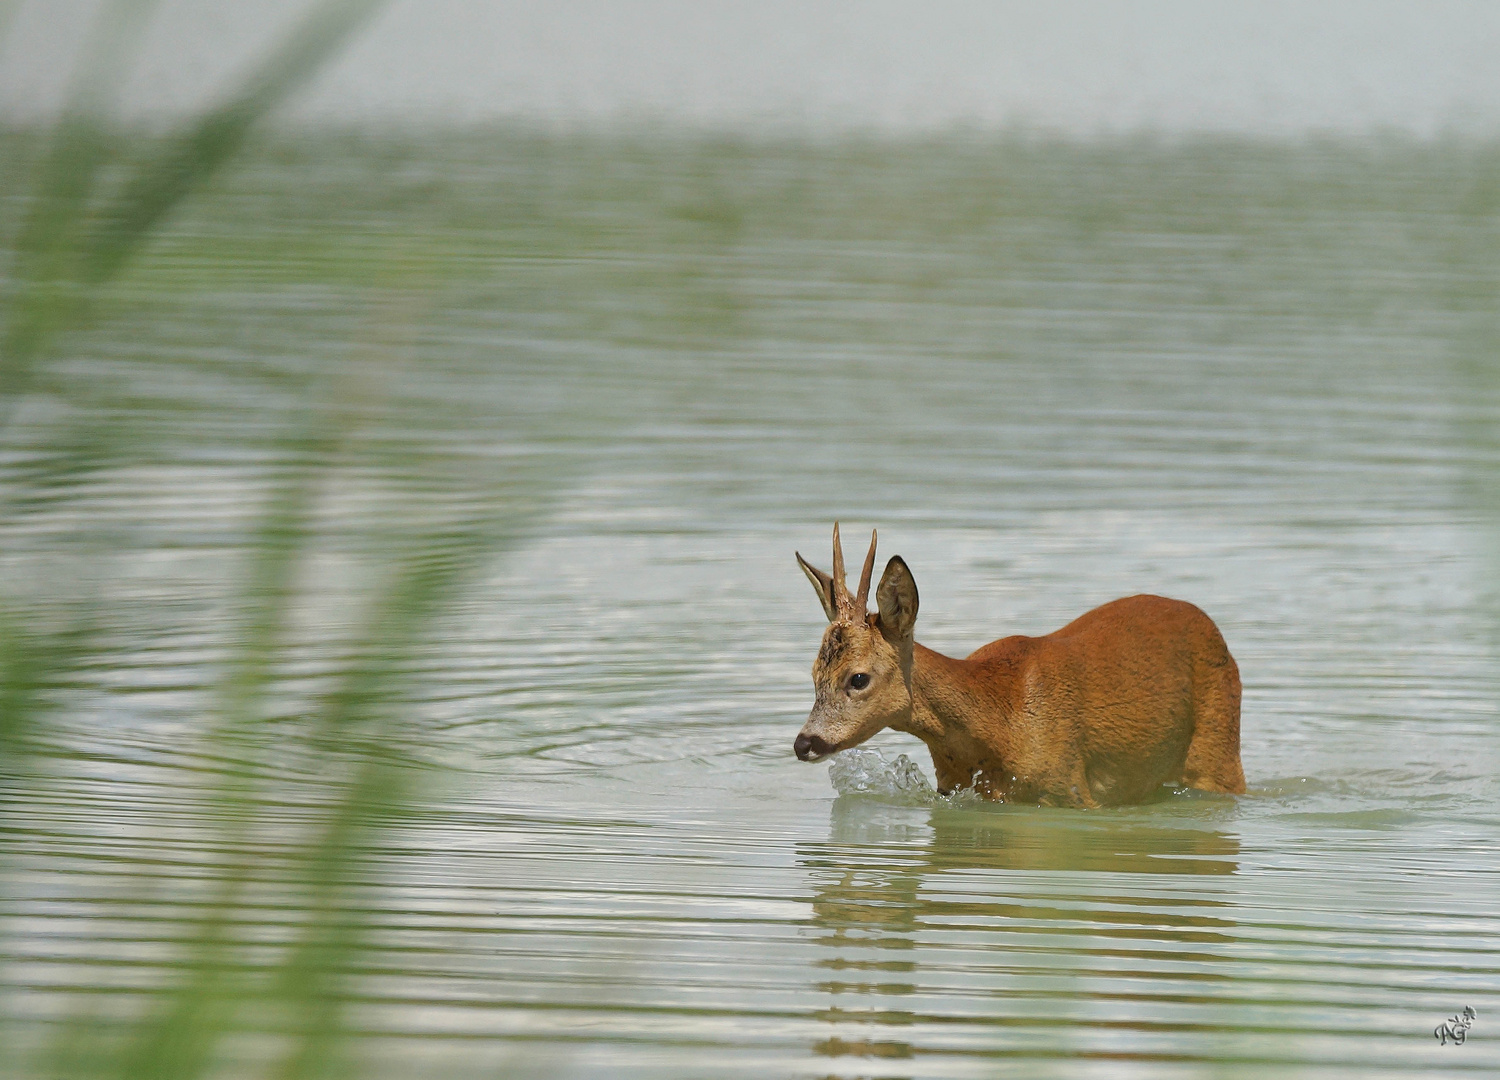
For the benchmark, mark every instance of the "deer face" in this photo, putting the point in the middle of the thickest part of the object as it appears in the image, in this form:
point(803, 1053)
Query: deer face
point(859, 687)
point(862, 676)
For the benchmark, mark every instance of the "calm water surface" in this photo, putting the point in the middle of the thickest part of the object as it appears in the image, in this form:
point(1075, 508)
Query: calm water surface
point(1260, 378)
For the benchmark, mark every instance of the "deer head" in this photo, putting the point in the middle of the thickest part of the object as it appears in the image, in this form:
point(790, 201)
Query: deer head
point(862, 676)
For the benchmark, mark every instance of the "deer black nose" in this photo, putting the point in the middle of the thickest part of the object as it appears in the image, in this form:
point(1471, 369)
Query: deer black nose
point(809, 747)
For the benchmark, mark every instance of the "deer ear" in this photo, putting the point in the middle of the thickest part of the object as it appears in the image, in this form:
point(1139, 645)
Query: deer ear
point(897, 598)
point(822, 584)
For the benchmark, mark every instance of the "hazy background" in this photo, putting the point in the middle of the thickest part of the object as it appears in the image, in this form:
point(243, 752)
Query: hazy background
point(1084, 66)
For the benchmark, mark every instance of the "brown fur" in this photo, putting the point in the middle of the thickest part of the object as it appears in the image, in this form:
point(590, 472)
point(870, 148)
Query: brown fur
point(1135, 694)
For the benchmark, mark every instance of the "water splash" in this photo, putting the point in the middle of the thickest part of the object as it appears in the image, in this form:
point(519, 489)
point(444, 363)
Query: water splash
point(867, 772)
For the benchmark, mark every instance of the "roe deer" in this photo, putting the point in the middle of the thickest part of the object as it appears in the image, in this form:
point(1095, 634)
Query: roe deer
point(1135, 694)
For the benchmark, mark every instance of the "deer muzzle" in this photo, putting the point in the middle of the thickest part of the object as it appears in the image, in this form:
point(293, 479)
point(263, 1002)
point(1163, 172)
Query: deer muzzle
point(811, 747)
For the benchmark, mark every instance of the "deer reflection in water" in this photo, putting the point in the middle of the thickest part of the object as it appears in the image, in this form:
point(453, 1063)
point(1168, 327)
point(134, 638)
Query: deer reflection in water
point(1006, 921)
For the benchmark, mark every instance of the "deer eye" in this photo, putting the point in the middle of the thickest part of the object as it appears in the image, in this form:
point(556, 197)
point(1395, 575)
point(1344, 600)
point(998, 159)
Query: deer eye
point(859, 681)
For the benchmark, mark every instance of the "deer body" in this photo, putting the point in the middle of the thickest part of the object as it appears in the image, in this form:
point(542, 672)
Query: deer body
point(1137, 693)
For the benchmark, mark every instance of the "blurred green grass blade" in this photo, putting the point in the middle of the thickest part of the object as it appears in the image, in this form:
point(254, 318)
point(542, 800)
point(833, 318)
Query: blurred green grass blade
point(332, 935)
point(281, 537)
point(180, 1040)
point(79, 144)
point(425, 583)
point(31, 662)
point(192, 158)
point(359, 718)
point(67, 249)
point(20, 679)
point(44, 294)
point(356, 724)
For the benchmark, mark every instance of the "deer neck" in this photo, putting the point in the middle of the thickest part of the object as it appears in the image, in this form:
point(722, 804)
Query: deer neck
point(962, 716)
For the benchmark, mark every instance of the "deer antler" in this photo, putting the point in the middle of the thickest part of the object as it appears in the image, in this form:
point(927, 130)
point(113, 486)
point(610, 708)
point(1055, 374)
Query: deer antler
point(833, 590)
point(841, 600)
point(851, 607)
point(862, 598)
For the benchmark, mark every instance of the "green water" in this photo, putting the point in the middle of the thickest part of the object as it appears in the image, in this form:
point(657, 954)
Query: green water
point(1260, 377)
